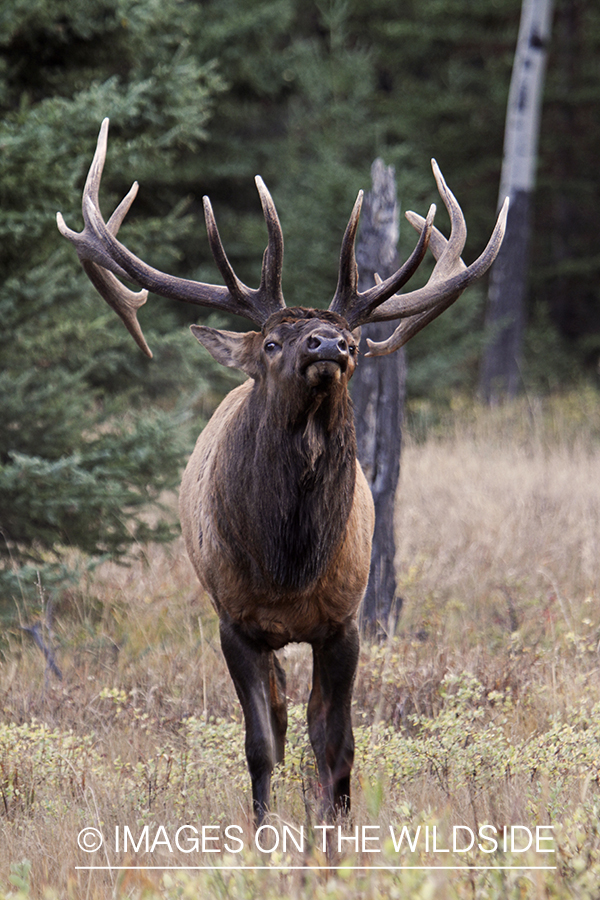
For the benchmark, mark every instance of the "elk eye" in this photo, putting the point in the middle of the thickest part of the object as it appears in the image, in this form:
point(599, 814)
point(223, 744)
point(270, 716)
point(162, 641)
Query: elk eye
point(352, 348)
point(271, 346)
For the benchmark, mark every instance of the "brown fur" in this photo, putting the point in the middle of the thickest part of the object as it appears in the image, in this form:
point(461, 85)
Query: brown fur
point(270, 479)
point(295, 614)
point(277, 519)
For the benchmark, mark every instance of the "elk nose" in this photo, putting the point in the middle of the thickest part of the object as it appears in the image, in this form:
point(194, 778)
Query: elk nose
point(323, 347)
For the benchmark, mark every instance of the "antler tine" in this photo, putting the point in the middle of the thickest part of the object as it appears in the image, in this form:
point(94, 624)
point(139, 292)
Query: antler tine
point(105, 260)
point(355, 306)
point(116, 220)
point(272, 265)
point(236, 287)
point(459, 277)
point(449, 259)
point(268, 298)
point(346, 290)
point(94, 175)
point(93, 259)
point(124, 302)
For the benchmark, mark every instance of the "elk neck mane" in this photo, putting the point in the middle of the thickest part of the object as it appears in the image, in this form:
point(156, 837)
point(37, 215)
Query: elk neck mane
point(285, 512)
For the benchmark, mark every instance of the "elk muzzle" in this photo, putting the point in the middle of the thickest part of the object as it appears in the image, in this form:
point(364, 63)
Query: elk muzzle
point(325, 358)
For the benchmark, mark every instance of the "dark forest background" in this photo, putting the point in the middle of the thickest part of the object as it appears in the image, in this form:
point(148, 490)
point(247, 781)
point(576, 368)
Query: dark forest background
point(202, 96)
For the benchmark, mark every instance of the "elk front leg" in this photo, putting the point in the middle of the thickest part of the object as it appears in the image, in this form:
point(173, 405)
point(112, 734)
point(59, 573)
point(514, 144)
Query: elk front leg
point(329, 714)
point(259, 682)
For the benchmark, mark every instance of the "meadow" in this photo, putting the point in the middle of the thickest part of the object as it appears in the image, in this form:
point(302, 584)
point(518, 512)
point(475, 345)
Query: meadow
point(477, 723)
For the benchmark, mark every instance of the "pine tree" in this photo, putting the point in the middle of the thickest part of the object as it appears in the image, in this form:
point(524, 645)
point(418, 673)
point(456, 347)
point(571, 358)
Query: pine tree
point(79, 457)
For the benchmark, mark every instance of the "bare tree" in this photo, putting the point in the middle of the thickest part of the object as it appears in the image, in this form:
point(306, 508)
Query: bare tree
point(378, 396)
point(508, 281)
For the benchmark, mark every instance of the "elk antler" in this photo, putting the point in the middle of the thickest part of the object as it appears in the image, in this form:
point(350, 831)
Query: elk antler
point(105, 260)
point(92, 257)
point(357, 307)
point(448, 279)
point(103, 257)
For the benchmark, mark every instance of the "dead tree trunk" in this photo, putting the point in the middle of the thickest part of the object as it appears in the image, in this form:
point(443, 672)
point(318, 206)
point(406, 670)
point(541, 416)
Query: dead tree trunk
point(505, 320)
point(378, 396)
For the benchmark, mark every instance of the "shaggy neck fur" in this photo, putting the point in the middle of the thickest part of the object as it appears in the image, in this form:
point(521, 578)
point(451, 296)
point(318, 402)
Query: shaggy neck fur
point(285, 513)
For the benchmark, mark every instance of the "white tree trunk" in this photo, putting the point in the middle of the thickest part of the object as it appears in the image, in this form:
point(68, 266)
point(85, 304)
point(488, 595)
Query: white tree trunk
point(525, 99)
point(506, 300)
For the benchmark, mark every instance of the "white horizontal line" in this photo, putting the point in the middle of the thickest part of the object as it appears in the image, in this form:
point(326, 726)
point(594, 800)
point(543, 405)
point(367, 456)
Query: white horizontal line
point(329, 868)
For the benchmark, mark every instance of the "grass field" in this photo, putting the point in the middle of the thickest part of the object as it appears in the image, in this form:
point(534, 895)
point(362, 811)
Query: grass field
point(479, 719)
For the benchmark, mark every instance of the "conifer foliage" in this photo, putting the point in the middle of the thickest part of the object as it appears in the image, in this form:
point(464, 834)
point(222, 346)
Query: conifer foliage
point(80, 454)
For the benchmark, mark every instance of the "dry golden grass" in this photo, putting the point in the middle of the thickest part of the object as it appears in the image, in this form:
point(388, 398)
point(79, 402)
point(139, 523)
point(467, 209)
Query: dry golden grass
point(499, 519)
point(498, 536)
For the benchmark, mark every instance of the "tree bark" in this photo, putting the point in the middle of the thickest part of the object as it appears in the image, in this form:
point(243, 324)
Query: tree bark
point(378, 396)
point(505, 320)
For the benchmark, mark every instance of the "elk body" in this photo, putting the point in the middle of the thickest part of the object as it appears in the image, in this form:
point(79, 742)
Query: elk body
point(275, 511)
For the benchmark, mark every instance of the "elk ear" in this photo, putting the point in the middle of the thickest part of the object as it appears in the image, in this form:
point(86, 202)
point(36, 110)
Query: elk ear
point(356, 335)
point(230, 348)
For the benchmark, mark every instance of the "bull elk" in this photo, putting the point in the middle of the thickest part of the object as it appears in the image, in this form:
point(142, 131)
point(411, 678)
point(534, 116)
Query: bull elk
point(275, 510)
